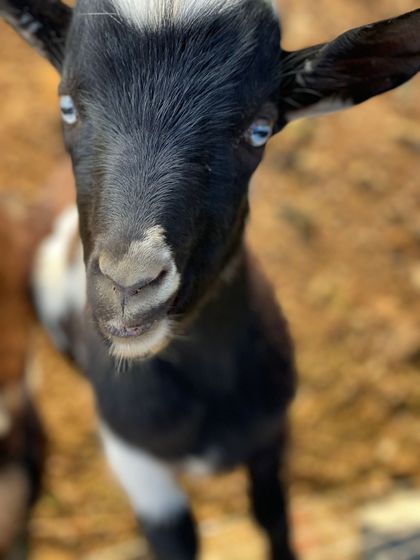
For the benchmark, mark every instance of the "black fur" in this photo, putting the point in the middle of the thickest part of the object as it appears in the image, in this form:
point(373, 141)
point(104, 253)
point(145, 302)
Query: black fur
point(223, 388)
point(359, 64)
point(224, 385)
point(268, 498)
point(176, 539)
point(162, 117)
point(43, 23)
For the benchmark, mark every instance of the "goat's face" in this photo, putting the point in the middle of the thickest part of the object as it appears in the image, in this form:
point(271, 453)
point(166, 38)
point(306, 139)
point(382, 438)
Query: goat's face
point(166, 125)
point(167, 105)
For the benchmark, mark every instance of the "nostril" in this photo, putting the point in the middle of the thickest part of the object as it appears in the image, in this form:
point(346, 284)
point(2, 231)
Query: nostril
point(134, 290)
point(159, 277)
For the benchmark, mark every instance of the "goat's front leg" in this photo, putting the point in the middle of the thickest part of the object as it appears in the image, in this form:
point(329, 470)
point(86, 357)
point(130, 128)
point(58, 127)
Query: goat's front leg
point(269, 500)
point(159, 504)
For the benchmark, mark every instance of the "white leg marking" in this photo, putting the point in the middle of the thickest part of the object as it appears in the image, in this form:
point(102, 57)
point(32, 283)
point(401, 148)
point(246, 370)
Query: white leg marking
point(59, 278)
point(149, 483)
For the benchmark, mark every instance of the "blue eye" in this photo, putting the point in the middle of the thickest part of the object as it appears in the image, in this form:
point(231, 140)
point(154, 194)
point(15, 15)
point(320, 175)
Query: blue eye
point(259, 132)
point(68, 109)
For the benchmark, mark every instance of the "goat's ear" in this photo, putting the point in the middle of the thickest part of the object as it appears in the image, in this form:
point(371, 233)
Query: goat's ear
point(42, 23)
point(356, 66)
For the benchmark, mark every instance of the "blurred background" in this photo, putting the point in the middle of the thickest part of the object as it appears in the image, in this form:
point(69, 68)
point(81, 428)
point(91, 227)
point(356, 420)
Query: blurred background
point(336, 224)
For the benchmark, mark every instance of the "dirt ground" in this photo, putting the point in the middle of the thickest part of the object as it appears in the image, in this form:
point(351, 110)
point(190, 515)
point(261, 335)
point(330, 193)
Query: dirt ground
point(336, 224)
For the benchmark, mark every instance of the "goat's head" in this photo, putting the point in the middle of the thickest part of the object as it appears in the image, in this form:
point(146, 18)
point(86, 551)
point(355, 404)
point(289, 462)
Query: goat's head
point(167, 105)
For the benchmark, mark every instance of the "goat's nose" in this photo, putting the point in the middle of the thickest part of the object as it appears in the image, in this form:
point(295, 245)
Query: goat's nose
point(143, 266)
point(123, 284)
point(131, 275)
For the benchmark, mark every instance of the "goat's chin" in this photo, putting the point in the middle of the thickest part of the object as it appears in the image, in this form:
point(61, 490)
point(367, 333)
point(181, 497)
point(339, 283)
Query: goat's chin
point(143, 346)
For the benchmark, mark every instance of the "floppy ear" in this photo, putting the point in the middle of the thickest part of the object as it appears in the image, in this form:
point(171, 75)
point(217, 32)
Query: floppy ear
point(42, 23)
point(356, 66)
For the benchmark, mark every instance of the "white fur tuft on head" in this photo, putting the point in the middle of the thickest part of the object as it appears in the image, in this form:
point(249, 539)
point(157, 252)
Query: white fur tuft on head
point(152, 12)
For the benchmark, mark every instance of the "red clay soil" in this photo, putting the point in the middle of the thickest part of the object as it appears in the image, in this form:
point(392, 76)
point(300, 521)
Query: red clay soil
point(336, 224)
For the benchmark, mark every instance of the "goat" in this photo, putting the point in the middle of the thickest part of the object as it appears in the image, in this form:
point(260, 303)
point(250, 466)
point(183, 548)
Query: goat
point(166, 107)
point(23, 443)
point(22, 440)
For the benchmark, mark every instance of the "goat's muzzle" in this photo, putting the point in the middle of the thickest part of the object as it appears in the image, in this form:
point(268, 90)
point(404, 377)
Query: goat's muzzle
point(131, 292)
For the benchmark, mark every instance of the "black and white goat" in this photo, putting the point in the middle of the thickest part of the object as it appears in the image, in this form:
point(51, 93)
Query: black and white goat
point(166, 107)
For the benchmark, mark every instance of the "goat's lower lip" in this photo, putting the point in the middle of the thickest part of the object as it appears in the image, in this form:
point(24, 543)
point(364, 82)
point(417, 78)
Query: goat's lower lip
point(128, 332)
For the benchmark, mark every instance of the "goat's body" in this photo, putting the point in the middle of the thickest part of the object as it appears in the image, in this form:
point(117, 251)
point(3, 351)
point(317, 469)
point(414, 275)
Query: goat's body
point(22, 438)
point(214, 398)
point(219, 391)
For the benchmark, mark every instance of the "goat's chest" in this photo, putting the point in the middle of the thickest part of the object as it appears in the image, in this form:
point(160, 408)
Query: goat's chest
point(163, 412)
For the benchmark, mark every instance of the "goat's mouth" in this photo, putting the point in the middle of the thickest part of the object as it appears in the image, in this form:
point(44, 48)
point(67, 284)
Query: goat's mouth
point(138, 341)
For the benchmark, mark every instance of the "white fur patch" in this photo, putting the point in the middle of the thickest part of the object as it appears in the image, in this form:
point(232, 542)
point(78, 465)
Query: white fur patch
point(149, 483)
point(323, 107)
point(59, 281)
point(152, 12)
point(202, 466)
